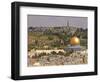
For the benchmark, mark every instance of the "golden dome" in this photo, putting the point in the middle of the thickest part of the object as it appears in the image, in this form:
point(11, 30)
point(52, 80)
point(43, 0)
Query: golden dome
point(74, 41)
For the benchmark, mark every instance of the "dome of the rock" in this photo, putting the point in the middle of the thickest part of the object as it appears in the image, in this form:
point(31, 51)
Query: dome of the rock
point(74, 41)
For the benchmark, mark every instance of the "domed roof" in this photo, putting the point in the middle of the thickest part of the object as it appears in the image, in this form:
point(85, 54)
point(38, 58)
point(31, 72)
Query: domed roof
point(74, 41)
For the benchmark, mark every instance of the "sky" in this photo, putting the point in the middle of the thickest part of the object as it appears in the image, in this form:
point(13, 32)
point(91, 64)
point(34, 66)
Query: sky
point(47, 20)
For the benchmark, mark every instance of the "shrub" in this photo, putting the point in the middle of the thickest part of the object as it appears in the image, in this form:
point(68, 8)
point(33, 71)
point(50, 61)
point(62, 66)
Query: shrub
point(67, 54)
point(53, 52)
point(42, 54)
point(50, 37)
point(30, 46)
point(60, 53)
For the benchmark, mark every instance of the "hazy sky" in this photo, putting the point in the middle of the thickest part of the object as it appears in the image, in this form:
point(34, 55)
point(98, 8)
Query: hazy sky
point(46, 20)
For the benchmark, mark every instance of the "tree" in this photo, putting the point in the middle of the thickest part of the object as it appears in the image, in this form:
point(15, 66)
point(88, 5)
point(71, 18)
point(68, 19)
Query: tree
point(50, 37)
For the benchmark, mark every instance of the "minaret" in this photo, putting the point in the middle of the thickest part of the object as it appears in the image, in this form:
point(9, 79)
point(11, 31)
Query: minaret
point(67, 23)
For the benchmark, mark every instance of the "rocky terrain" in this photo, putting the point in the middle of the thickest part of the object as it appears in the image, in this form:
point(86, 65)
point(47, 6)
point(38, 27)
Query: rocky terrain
point(77, 57)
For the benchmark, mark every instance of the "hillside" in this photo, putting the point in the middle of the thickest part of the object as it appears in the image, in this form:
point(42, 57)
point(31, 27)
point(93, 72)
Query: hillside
point(54, 37)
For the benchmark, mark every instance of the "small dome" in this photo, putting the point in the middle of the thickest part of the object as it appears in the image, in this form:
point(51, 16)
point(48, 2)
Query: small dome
point(74, 41)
